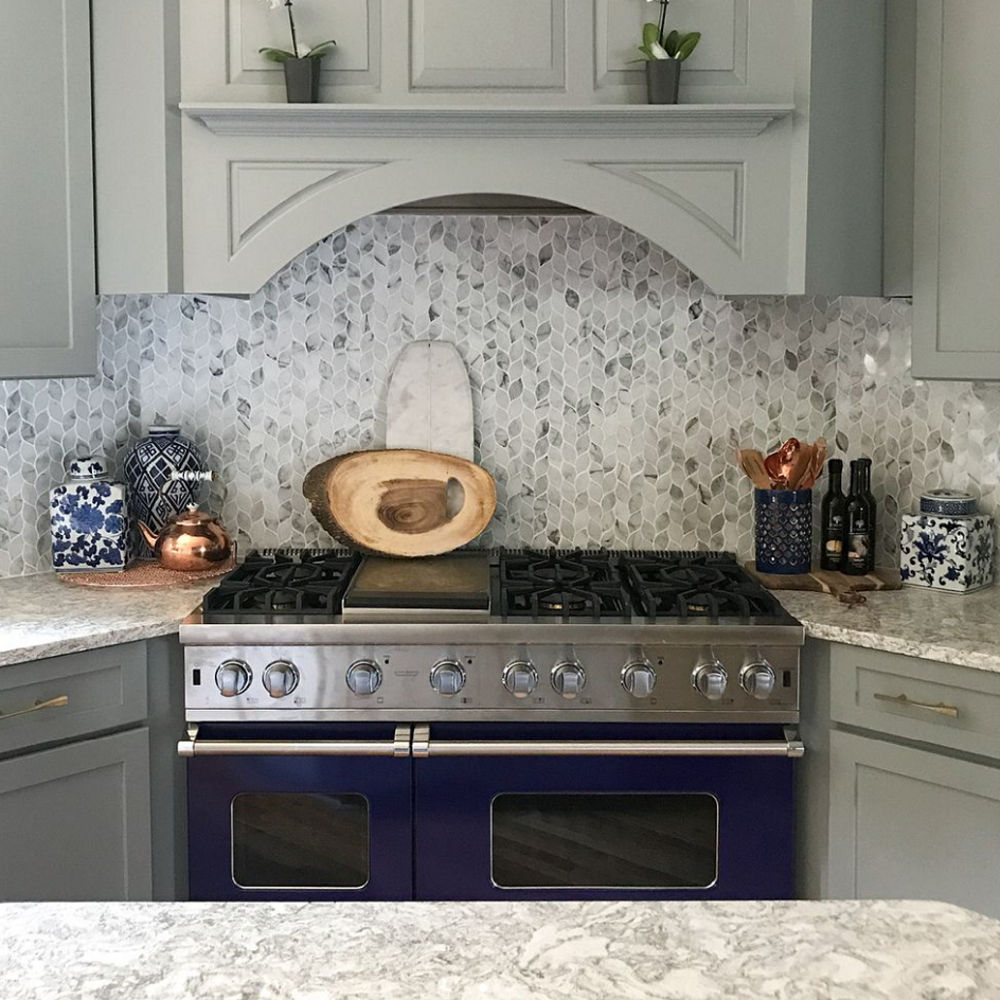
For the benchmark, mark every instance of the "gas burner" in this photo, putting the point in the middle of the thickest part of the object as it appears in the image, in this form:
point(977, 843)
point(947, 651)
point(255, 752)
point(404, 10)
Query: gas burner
point(709, 586)
point(562, 585)
point(284, 585)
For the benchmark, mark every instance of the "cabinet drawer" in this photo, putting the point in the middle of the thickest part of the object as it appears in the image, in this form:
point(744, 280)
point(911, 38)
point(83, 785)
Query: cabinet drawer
point(88, 692)
point(936, 703)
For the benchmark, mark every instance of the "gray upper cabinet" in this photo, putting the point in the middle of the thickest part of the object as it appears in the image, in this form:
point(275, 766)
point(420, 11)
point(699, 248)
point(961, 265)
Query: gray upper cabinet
point(956, 295)
point(47, 305)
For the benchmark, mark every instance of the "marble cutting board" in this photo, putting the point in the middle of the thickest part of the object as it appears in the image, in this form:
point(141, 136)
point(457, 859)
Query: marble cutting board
point(429, 403)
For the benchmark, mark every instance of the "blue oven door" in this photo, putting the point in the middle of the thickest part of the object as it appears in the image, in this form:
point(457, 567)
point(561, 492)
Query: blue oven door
point(299, 812)
point(603, 812)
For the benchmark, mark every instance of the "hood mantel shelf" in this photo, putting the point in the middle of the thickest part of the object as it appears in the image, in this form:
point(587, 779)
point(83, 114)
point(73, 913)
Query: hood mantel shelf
point(605, 121)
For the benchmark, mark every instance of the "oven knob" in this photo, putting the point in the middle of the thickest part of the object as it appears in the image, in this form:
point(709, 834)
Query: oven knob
point(520, 678)
point(364, 677)
point(757, 679)
point(233, 677)
point(710, 679)
point(447, 678)
point(639, 678)
point(281, 678)
point(569, 678)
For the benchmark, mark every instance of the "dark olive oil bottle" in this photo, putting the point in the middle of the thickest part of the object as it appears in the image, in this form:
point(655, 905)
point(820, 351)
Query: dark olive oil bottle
point(859, 553)
point(833, 519)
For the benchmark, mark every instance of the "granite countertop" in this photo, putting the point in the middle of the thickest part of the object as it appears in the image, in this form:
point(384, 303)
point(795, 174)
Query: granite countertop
point(504, 951)
point(932, 624)
point(42, 615)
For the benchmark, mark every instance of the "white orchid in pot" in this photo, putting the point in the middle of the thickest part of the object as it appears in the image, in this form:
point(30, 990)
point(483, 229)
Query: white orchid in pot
point(301, 63)
point(664, 52)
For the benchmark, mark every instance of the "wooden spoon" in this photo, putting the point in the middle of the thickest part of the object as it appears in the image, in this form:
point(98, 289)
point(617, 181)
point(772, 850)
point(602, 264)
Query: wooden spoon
point(819, 460)
point(752, 463)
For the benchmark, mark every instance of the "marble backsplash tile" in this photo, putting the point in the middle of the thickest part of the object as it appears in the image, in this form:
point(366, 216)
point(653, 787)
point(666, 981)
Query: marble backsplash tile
point(606, 378)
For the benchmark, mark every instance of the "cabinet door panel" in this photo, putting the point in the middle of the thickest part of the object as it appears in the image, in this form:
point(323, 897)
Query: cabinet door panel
point(957, 216)
point(48, 317)
point(74, 821)
point(907, 823)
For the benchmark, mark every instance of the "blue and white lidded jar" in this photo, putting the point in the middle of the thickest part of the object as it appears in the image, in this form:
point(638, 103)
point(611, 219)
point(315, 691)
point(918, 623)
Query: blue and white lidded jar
point(89, 520)
point(164, 472)
point(956, 553)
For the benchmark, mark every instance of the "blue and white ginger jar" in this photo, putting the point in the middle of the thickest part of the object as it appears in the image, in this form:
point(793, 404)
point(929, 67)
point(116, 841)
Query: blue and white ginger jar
point(89, 520)
point(947, 553)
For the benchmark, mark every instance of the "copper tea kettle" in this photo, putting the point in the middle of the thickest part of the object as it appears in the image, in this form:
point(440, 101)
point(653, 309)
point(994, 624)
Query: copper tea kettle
point(189, 542)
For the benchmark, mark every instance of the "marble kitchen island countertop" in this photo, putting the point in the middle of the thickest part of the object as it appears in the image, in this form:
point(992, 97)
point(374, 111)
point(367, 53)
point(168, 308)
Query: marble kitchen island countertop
point(935, 625)
point(842, 950)
point(42, 616)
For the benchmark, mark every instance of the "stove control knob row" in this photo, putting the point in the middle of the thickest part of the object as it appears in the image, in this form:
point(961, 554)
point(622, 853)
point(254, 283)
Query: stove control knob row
point(233, 677)
point(569, 678)
point(364, 677)
point(757, 679)
point(710, 678)
point(448, 678)
point(639, 678)
point(281, 678)
point(520, 678)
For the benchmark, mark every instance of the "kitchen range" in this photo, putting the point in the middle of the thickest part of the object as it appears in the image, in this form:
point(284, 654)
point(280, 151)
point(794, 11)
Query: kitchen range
point(491, 725)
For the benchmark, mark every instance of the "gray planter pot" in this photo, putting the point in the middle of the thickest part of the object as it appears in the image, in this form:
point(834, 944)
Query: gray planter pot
point(663, 77)
point(302, 80)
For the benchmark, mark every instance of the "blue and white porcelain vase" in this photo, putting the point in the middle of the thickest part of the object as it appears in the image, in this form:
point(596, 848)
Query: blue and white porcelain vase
point(164, 472)
point(946, 552)
point(89, 520)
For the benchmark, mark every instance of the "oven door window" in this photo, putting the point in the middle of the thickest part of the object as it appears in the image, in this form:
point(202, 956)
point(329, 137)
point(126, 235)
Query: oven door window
point(300, 841)
point(605, 841)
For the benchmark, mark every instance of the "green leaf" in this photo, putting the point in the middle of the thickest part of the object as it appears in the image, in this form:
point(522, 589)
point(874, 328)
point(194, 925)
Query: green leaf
point(318, 51)
point(276, 55)
point(688, 45)
point(650, 34)
point(671, 42)
point(657, 51)
point(646, 54)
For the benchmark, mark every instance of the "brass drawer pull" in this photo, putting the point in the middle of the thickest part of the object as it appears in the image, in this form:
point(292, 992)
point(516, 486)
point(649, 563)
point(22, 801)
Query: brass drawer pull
point(900, 699)
point(58, 702)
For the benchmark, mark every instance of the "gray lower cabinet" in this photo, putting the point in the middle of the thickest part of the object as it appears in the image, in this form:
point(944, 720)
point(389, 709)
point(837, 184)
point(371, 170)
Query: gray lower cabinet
point(91, 788)
point(906, 823)
point(48, 321)
point(899, 790)
point(75, 821)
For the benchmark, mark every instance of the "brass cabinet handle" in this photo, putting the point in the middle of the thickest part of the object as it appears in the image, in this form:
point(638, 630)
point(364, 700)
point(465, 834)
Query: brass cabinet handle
point(58, 702)
point(900, 699)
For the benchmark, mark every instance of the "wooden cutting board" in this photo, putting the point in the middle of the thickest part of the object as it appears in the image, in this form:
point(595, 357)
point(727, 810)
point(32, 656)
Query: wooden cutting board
point(401, 502)
point(429, 402)
point(827, 582)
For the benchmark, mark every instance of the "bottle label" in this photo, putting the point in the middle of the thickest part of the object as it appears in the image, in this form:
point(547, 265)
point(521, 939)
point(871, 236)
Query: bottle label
point(857, 548)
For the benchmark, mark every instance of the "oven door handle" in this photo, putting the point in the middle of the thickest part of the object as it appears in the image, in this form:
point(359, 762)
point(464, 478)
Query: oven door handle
point(398, 746)
point(424, 746)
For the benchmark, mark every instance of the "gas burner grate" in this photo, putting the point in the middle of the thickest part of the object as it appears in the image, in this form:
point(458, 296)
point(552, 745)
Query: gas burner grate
point(282, 585)
point(709, 586)
point(564, 586)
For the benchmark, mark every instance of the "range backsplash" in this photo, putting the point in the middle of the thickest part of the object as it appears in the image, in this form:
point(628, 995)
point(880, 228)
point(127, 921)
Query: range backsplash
point(606, 378)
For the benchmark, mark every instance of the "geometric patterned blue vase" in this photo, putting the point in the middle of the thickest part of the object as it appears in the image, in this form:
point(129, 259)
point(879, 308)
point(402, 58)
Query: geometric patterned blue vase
point(164, 472)
point(90, 527)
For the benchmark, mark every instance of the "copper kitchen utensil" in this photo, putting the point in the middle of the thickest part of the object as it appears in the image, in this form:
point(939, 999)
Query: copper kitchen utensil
point(800, 467)
point(189, 542)
point(752, 463)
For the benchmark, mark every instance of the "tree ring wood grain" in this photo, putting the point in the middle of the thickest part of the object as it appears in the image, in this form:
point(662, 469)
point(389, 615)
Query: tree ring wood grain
point(401, 502)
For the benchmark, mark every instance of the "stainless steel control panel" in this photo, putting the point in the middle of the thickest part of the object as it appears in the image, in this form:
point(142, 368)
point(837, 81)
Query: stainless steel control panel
point(501, 682)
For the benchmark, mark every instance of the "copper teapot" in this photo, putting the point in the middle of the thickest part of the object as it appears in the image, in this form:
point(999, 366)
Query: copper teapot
point(189, 542)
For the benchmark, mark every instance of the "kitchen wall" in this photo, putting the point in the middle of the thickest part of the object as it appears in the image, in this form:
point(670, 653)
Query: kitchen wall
point(606, 378)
